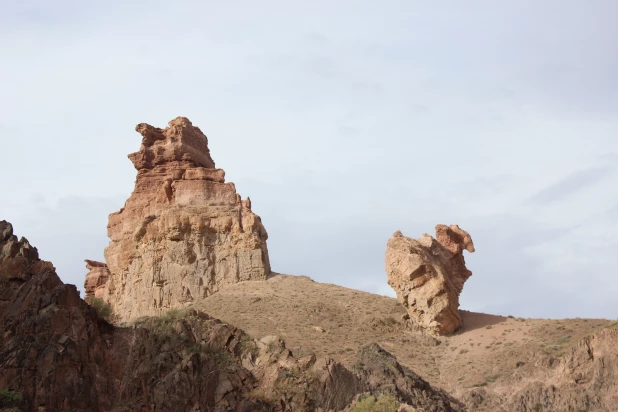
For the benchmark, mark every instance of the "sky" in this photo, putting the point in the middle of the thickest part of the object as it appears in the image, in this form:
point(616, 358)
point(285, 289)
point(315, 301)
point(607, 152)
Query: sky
point(344, 122)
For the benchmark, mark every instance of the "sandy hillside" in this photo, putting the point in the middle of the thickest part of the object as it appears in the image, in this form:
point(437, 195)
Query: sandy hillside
point(494, 352)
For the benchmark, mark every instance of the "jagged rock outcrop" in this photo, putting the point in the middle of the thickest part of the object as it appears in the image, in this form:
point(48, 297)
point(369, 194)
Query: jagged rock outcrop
point(182, 234)
point(381, 374)
point(58, 355)
point(428, 275)
point(585, 379)
point(98, 275)
point(52, 339)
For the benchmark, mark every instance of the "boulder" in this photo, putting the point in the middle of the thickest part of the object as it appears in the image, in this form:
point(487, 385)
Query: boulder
point(428, 275)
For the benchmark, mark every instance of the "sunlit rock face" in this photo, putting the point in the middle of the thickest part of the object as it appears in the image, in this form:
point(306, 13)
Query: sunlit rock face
point(428, 275)
point(182, 234)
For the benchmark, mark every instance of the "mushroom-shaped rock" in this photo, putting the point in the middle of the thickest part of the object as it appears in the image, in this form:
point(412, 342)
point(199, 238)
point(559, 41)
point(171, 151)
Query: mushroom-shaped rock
point(428, 275)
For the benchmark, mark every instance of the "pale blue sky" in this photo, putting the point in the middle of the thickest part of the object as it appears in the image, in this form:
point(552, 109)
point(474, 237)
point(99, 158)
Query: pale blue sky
point(343, 121)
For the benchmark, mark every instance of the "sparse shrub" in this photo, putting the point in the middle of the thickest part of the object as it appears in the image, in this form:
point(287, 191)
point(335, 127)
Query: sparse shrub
point(174, 314)
point(103, 309)
point(563, 340)
point(290, 373)
point(488, 327)
point(388, 321)
point(9, 397)
point(370, 404)
point(248, 345)
point(511, 317)
point(258, 395)
point(273, 346)
point(491, 378)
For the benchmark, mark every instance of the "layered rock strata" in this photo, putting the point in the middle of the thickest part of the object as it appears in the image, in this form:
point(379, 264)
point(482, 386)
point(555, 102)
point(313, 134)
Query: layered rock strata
point(428, 275)
point(182, 234)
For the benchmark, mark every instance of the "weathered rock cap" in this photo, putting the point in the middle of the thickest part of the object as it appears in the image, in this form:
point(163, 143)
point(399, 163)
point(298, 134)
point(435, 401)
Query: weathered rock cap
point(179, 144)
point(97, 277)
point(91, 264)
point(454, 238)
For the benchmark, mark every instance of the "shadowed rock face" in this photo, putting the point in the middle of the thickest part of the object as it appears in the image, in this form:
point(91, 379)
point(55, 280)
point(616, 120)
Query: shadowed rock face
point(52, 339)
point(58, 355)
point(428, 275)
point(182, 234)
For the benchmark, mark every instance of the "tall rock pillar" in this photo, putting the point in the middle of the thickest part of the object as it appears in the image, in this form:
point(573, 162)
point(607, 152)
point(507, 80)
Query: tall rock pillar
point(183, 233)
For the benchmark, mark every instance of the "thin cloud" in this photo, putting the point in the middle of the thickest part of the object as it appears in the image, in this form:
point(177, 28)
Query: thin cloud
point(569, 186)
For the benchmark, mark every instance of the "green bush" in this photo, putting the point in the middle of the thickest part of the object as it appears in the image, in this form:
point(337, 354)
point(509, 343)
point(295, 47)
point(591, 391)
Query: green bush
point(491, 378)
point(104, 310)
point(371, 404)
point(9, 397)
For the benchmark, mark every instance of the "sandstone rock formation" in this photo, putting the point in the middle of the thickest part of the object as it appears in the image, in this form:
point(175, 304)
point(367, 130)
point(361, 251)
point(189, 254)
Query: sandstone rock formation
point(584, 379)
point(428, 275)
point(58, 355)
point(182, 234)
point(98, 275)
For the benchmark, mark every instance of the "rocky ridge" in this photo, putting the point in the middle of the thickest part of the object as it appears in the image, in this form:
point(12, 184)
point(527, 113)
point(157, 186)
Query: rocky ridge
point(175, 244)
point(428, 275)
point(584, 379)
point(182, 234)
point(60, 356)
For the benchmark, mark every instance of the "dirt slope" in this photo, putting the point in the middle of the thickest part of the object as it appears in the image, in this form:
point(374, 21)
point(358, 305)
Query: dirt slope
point(487, 362)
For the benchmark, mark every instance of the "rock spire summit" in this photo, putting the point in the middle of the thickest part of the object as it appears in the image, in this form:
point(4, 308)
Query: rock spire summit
point(182, 234)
